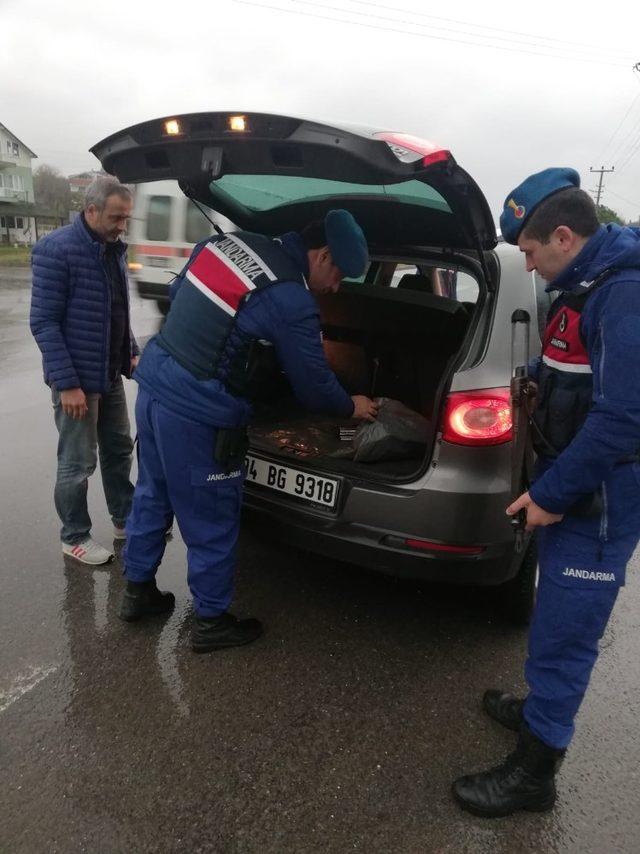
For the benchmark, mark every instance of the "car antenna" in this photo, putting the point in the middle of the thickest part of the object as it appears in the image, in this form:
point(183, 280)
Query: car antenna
point(206, 216)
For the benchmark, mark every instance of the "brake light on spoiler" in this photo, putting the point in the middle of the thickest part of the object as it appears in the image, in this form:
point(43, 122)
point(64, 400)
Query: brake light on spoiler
point(478, 417)
point(410, 149)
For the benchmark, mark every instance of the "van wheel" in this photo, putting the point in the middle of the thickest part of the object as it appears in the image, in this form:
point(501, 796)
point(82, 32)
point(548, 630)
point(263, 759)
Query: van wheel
point(163, 305)
point(517, 597)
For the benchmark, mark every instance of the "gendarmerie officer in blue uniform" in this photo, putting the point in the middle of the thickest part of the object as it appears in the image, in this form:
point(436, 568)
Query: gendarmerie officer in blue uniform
point(584, 503)
point(194, 403)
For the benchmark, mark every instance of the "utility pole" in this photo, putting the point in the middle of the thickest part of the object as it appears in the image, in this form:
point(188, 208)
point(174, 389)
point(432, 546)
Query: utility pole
point(599, 190)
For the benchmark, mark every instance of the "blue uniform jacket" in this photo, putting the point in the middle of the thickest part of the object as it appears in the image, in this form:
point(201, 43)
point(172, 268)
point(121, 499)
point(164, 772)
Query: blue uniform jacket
point(71, 309)
point(611, 329)
point(287, 316)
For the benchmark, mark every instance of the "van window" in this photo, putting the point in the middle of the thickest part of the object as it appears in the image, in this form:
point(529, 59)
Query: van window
point(196, 227)
point(159, 217)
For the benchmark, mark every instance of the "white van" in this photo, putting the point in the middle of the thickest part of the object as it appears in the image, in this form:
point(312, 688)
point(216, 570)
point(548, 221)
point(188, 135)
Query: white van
point(164, 228)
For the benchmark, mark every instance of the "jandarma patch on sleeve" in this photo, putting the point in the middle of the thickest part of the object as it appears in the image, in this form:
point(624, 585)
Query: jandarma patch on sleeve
point(588, 574)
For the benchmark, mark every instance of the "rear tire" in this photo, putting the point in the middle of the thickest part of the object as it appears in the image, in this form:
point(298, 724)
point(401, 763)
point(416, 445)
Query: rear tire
point(517, 597)
point(163, 306)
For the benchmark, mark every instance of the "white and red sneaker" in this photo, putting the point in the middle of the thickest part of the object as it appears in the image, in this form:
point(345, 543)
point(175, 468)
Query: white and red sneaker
point(88, 551)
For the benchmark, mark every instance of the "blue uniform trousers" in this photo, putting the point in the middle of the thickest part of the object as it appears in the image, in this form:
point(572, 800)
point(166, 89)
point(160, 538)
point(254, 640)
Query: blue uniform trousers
point(567, 625)
point(178, 476)
point(582, 562)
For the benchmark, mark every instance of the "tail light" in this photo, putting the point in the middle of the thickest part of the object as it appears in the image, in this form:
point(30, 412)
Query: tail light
point(478, 417)
point(428, 546)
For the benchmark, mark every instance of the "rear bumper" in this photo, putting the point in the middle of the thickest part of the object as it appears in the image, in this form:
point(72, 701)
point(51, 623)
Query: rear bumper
point(369, 548)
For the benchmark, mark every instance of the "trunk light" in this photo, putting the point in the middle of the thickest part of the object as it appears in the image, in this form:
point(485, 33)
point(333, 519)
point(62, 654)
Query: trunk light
point(478, 417)
point(425, 545)
point(134, 266)
point(172, 127)
point(237, 123)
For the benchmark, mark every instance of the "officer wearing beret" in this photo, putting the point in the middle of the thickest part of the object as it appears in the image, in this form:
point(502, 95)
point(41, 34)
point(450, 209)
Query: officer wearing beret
point(238, 293)
point(584, 504)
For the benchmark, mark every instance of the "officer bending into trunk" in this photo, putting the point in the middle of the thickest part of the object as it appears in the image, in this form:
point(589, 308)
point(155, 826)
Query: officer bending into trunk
point(194, 403)
point(585, 500)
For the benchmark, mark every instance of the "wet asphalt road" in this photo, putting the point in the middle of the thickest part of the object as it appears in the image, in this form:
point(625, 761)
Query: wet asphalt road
point(339, 731)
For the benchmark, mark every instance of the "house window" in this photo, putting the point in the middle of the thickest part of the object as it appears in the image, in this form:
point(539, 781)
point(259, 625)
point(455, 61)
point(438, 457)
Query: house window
point(2, 222)
point(19, 222)
point(11, 222)
point(16, 149)
point(13, 182)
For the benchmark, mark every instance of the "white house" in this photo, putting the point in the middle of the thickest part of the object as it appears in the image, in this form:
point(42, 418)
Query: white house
point(16, 190)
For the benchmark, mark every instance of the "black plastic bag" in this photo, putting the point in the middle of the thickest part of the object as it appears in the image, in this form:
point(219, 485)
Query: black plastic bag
point(398, 433)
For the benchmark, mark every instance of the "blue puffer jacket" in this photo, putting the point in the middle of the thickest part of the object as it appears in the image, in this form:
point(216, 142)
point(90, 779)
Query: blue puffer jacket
point(71, 309)
point(611, 330)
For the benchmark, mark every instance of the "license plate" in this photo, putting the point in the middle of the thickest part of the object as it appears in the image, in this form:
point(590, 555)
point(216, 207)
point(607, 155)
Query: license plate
point(157, 261)
point(309, 487)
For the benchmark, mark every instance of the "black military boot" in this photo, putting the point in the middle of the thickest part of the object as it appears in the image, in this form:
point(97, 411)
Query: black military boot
point(209, 633)
point(504, 708)
point(142, 599)
point(525, 781)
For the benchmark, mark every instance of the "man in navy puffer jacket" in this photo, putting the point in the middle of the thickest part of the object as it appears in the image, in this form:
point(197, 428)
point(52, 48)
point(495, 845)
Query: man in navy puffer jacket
point(584, 503)
point(80, 320)
point(238, 293)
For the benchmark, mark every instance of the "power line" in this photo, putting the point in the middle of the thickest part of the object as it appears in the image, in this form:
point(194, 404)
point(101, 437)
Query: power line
point(421, 35)
point(622, 148)
point(631, 154)
point(628, 201)
point(613, 135)
point(626, 150)
point(528, 43)
point(481, 26)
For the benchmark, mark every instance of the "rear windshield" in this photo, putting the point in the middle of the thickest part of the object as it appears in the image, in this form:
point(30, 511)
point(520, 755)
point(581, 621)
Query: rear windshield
point(265, 192)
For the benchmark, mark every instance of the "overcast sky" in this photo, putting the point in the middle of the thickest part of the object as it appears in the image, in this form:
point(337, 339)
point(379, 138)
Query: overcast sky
point(509, 87)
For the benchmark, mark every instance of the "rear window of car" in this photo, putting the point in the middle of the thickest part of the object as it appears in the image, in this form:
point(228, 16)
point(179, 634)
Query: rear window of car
point(265, 192)
point(449, 282)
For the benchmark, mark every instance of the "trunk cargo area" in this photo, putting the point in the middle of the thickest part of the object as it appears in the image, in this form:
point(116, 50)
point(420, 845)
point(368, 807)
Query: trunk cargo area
point(381, 342)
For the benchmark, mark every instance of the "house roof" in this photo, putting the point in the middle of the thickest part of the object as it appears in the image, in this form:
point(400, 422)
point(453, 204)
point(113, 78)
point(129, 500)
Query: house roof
point(26, 147)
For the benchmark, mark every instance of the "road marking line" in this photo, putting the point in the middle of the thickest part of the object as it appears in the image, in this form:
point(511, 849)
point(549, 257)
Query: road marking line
point(23, 684)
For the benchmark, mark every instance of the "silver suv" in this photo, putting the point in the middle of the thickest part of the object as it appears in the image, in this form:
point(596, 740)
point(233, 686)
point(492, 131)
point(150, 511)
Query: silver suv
point(428, 324)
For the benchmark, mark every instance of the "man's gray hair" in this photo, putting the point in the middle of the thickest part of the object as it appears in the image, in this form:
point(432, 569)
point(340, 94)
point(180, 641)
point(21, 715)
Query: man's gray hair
point(101, 188)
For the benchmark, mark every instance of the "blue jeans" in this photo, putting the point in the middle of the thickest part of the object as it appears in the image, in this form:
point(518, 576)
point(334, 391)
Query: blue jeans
point(104, 427)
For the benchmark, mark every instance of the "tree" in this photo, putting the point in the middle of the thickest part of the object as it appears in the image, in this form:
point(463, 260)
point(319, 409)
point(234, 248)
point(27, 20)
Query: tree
point(51, 190)
point(605, 214)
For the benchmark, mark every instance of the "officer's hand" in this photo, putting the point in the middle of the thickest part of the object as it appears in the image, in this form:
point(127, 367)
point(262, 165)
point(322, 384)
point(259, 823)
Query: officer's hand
point(536, 516)
point(134, 363)
point(364, 408)
point(74, 403)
